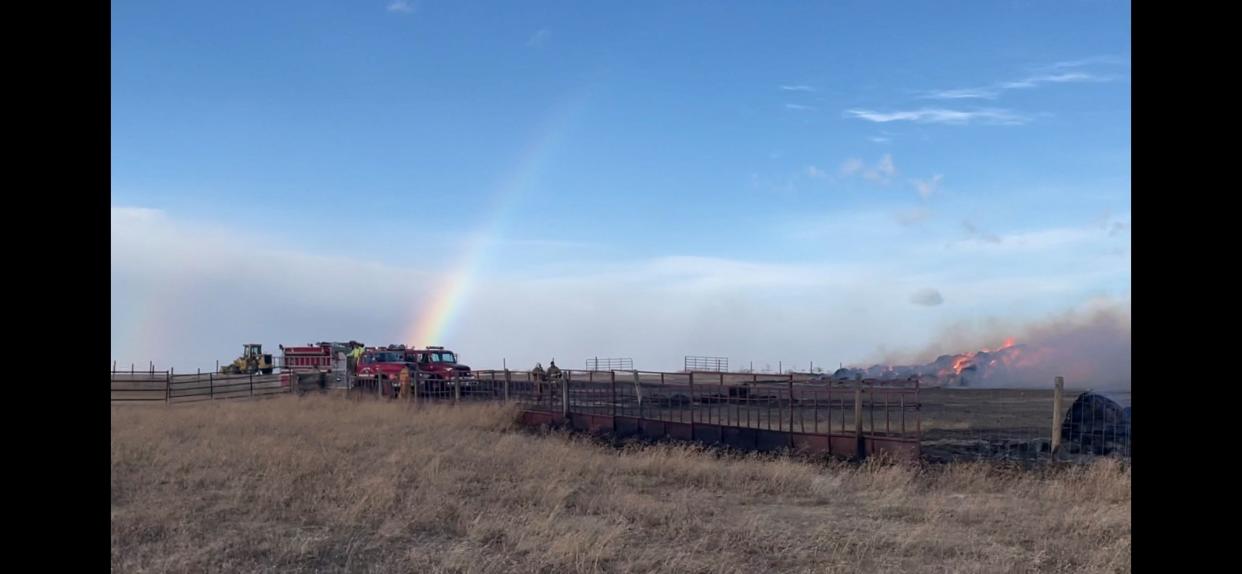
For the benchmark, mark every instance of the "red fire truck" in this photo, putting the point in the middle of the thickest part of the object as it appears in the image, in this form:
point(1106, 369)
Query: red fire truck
point(437, 363)
point(332, 360)
point(386, 363)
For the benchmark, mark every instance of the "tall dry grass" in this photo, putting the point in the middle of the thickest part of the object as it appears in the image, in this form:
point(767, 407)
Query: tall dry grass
point(319, 484)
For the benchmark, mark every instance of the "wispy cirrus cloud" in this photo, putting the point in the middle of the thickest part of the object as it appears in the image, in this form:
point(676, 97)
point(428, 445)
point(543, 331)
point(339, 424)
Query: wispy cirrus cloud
point(1066, 72)
point(800, 108)
point(401, 6)
point(797, 88)
point(926, 187)
point(977, 234)
point(913, 216)
point(539, 37)
point(995, 90)
point(1093, 60)
point(942, 116)
point(882, 172)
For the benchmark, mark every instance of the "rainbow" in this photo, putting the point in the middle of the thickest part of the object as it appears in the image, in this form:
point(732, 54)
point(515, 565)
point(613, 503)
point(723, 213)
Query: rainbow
point(434, 317)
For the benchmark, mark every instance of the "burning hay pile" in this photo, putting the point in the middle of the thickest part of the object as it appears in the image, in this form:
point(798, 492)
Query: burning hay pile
point(986, 367)
point(1090, 348)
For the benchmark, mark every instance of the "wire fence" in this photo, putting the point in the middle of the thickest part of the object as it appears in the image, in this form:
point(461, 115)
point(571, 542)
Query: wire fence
point(1023, 423)
point(610, 364)
point(702, 363)
point(170, 387)
point(746, 410)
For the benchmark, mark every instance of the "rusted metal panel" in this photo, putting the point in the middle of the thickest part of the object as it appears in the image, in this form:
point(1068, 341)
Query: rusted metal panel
point(679, 431)
point(599, 424)
point(897, 449)
point(652, 429)
point(845, 445)
point(539, 418)
point(805, 443)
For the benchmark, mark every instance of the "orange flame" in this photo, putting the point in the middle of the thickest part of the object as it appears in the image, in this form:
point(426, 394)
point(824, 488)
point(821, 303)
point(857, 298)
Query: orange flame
point(965, 360)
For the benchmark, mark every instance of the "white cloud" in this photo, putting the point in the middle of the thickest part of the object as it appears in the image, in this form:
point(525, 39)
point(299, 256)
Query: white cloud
point(882, 172)
point(798, 88)
point(815, 172)
point(539, 37)
point(1052, 74)
point(800, 107)
point(913, 216)
point(852, 166)
point(1107, 60)
point(942, 116)
point(1069, 77)
point(926, 187)
point(880, 139)
point(1041, 240)
point(125, 215)
point(402, 6)
point(962, 94)
point(979, 235)
point(187, 294)
point(994, 91)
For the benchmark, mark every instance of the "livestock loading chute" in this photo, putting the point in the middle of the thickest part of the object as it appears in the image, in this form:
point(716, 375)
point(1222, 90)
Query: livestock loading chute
point(332, 362)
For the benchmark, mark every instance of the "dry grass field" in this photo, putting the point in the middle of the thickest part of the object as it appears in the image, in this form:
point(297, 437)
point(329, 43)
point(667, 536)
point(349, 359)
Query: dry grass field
point(319, 484)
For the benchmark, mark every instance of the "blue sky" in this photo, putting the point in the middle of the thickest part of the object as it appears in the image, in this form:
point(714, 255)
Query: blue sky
point(979, 150)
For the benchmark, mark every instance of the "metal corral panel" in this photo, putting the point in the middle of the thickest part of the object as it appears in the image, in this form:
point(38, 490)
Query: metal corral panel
point(539, 418)
point(843, 445)
point(705, 433)
point(627, 426)
point(652, 429)
point(579, 422)
point(598, 424)
point(740, 438)
point(810, 443)
point(903, 450)
point(679, 431)
point(767, 440)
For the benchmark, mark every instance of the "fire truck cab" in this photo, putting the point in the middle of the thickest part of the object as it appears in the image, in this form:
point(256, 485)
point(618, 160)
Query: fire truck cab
point(438, 363)
point(385, 363)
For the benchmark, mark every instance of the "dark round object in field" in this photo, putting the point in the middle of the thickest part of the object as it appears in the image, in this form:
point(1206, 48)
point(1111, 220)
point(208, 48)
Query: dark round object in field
point(1098, 423)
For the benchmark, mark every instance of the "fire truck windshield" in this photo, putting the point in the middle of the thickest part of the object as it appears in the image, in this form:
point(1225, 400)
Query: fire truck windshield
point(444, 357)
point(388, 357)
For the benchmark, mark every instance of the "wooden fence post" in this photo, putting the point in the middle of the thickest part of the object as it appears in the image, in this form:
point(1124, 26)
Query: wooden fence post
point(1057, 398)
point(456, 389)
point(507, 378)
point(612, 380)
point(565, 394)
point(167, 386)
